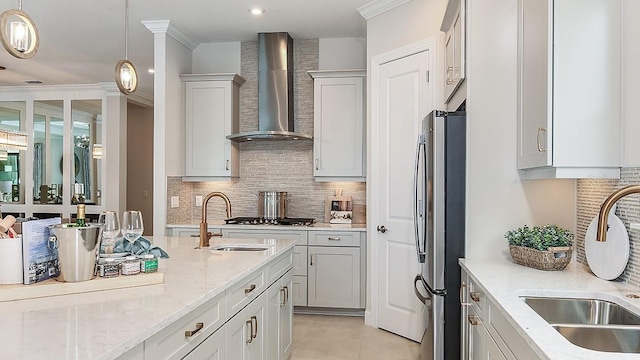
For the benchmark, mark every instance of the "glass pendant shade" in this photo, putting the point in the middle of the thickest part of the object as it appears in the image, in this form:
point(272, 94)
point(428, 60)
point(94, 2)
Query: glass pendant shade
point(126, 77)
point(19, 34)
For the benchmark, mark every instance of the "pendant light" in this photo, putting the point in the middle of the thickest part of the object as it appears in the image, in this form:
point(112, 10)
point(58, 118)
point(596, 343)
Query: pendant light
point(126, 74)
point(19, 33)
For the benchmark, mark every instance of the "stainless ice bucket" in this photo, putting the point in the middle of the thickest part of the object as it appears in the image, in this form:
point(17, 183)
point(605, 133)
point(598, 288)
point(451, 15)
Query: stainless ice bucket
point(78, 248)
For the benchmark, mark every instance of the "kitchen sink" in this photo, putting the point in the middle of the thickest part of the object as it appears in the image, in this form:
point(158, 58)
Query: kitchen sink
point(610, 338)
point(593, 324)
point(581, 311)
point(240, 247)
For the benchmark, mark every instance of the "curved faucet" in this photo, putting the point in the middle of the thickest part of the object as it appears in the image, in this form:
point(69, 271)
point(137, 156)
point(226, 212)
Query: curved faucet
point(204, 234)
point(603, 215)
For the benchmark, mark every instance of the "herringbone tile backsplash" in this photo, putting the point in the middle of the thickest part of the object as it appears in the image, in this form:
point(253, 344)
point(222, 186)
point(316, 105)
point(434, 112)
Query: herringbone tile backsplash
point(268, 165)
point(590, 195)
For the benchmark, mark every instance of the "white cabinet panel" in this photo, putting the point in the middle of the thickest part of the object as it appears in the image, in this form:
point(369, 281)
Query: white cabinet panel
point(569, 105)
point(334, 277)
point(211, 113)
point(246, 332)
point(454, 27)
point(339, 129)
point(213, 348)
point(299, 292)
point(279, 342)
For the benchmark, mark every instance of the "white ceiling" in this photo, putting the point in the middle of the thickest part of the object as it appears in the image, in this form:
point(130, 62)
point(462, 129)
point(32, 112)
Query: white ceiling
point(82, 40)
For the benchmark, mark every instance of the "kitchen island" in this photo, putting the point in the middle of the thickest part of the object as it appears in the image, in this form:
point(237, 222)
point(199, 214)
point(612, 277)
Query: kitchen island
point(495, 291)
point(132, 322)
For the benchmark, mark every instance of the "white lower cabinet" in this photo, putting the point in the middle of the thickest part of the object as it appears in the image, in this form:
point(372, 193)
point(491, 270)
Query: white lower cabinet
point(280, 318)
point(213, 348)
point(334, 277)
point(246, 332)
point(486, 334)
point(299, 292)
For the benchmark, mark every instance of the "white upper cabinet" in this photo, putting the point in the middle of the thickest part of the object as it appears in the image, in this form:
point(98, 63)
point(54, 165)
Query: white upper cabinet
point(338, 126)
point(212, 113)
point(569, 78)
point(454, 27)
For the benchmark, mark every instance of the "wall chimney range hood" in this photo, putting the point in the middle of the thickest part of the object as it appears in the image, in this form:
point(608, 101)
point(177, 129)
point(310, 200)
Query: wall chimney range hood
point(275, 90)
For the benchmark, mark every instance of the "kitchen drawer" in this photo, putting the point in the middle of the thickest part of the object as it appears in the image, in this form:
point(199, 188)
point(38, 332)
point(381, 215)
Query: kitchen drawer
point(299, 236)
point(300, 260)
point(246, 290)
point(185, 232)
point(330, 238)
point(279, 267)
point(172, 342)
point(299, 292)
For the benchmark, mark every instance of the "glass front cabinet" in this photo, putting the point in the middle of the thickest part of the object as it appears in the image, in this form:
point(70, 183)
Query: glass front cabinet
point(65, 161)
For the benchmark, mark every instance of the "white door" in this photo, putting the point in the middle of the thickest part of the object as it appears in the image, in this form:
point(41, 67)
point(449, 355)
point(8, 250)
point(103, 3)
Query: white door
point(403, 99)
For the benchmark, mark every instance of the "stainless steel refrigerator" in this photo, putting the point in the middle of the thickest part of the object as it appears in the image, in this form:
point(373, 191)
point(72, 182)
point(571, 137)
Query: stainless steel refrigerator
point(439, 219)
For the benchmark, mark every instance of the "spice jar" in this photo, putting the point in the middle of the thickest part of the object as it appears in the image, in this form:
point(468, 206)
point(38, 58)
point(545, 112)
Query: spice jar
point(149, 264)
point(108, 268)
point(130, 266)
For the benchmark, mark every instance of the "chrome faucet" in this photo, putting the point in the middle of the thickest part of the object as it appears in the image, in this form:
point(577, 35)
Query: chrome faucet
point(606, 207)
point(204, 234)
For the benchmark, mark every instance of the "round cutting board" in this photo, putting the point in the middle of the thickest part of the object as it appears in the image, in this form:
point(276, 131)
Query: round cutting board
point(607, 259)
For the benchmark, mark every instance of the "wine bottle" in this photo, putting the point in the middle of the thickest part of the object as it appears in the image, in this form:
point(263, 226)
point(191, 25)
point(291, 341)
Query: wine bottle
point(80, 219)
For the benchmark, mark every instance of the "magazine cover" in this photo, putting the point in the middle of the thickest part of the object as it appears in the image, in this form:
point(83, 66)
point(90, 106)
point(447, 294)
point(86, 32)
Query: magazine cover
point(40, 262)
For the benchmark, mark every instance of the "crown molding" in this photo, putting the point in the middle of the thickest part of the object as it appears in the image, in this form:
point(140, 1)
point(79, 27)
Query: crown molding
point(165, 26)
point(378, 7)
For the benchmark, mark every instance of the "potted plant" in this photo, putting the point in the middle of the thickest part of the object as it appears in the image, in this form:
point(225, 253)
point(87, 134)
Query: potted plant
point(545, 248)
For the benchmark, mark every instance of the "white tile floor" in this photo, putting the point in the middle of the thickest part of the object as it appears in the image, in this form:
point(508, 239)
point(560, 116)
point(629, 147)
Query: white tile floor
point(317, 337)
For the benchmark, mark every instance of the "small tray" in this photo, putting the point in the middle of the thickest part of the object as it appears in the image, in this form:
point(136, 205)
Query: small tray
point(53, 287)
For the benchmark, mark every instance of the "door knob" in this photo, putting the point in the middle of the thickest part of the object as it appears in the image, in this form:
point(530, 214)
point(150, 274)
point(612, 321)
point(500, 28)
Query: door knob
point(382, 229)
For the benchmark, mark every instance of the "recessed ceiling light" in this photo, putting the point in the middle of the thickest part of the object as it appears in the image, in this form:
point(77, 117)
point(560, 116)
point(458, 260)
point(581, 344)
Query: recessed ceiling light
point(33, 81)
point(256, 11)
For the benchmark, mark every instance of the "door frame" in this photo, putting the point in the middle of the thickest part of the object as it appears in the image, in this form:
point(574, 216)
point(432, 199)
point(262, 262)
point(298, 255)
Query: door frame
point(430, 44)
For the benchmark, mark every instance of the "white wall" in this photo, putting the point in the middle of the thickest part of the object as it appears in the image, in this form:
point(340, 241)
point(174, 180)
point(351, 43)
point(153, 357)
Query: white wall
point(342, 53)
point(497, 200)
point(217, 58)
point(630, 83)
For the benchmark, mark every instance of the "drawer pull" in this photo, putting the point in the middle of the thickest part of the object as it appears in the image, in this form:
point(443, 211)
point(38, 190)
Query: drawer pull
point(474, 320)
point(248, 290)
point(475, 296)
point(254, 328)
point(250, 331)
point(283, 296)
point(190, 333)
point(334, 238)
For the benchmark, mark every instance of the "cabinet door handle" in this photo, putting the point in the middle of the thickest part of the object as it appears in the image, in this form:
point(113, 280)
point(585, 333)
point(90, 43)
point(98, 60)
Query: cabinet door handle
point(226, 165)
point(474, 320)
point(540, 148)
point(449, 72)
point(249, 323)
point(334, 238)
point(475, 296)
point(311, 256)
point(462, 302)
point(283, 296)
point(190, 333)
point(317, 164)
point(248, 290)
point(254, 329)
point(286, 289)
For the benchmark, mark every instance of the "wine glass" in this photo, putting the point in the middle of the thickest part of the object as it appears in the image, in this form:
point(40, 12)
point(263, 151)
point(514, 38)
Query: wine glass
point(132, 226)
point(111, 227)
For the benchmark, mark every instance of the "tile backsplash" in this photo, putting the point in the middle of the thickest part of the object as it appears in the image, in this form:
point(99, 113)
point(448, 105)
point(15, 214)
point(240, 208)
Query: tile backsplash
point(268, 165)
point(590, 195)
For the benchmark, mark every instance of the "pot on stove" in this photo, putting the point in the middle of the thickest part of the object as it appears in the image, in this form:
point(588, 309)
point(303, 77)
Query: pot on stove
point(272, 204)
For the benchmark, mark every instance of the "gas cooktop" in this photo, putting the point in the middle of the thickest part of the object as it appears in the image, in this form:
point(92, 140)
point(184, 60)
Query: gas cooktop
point(262, 221)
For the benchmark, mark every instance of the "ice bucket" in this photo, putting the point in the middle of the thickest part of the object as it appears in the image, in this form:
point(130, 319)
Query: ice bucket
point(78, 249)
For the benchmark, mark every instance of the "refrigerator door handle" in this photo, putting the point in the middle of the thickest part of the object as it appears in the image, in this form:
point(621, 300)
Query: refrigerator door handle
point(418, 204)
point(422, 298)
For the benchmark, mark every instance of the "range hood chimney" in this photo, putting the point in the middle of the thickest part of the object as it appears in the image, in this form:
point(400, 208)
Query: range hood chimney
point(275, 90)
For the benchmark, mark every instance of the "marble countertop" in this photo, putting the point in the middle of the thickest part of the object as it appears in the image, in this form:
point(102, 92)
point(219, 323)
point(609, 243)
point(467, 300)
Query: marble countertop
point(505, 282)
point(103, 325)
point(218, 224)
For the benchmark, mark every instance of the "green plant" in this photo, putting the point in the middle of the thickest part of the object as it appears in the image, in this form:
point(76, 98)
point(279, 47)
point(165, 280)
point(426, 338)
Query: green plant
point(540, 238)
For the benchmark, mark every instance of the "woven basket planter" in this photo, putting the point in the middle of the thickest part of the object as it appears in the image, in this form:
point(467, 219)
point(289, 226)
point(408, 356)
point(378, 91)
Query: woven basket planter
point(555, 258)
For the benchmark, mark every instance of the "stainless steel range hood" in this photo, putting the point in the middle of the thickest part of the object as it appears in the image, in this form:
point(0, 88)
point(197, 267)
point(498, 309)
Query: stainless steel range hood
point(275, 90)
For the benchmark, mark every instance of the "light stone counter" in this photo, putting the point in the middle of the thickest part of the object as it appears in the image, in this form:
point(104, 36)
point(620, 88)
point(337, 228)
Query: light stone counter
point(505, 282)
point(220, 224)
point(105, 324)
